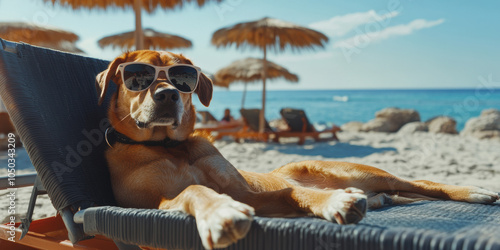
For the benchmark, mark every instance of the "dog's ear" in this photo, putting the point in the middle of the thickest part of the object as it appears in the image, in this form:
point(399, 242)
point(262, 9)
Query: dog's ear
point(102, 79)
point(204, 90)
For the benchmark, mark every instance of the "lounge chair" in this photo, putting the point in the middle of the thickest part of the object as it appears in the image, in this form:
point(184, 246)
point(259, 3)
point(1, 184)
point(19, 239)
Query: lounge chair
point(250, 129)
point(206, 117)
point(6, 127)
point(209, 123)
point(51, 98)
point(299, 126)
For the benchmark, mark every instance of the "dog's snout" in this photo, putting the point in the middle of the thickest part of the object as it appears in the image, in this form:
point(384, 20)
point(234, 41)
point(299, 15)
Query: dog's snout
point(166, 95)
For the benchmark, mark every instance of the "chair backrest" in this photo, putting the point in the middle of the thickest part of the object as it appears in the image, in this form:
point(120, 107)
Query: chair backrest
point(207, 117)
point(52, 101)
point(251, 118)
point(297, 120)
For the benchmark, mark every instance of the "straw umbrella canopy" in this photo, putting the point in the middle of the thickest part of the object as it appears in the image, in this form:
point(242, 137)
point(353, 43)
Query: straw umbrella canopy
point(137, 5)
point(63, 46)
point(268, 33)
point(32, 33)
point(43, 36)
point(152, 40)
point(250, 70)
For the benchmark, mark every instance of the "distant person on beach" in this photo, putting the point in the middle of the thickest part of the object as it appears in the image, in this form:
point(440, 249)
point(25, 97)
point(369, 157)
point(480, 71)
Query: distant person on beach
point(227, 116)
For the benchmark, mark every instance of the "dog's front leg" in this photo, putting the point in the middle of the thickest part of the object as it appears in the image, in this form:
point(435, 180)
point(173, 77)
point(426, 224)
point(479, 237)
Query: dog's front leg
point(221, 220)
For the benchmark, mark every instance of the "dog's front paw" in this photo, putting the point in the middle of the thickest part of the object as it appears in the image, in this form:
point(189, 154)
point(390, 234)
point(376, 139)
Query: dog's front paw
point(224, 223)
point(346, 206)
point(479, 195)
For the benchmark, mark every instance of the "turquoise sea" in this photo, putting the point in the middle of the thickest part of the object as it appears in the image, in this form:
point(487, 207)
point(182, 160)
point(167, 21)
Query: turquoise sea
point(342, 106)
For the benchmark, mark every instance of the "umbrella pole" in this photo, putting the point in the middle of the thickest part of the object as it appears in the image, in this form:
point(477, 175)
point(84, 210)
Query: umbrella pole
point(244, 95)
point(264, 76)
point(139, 36)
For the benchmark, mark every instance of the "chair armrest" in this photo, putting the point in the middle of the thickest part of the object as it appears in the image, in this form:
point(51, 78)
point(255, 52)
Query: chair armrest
point(423, 225)
point(144, 227)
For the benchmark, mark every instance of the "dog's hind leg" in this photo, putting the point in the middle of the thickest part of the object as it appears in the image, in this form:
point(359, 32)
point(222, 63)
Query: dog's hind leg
point(334, 175)
point(379, 200)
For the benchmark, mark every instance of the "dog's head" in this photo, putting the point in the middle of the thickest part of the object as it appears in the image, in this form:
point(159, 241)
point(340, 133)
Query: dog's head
point(158, 112)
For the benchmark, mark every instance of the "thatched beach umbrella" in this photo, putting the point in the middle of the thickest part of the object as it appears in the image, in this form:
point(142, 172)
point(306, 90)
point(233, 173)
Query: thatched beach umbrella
point(152, 40)
point(250, 70)
point(267, 33)
point(137, 5)
point(63, 46)
point(39, 35)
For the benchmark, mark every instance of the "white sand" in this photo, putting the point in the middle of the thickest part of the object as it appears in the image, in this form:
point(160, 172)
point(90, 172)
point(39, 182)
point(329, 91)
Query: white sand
point(450, 159)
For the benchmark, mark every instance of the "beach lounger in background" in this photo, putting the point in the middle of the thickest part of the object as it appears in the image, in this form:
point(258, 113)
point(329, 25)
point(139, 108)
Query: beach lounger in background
point(6, 127)
point(206, 117)
point(208, 123)
point(52, 101)
point(299, 126)
point(250, 129)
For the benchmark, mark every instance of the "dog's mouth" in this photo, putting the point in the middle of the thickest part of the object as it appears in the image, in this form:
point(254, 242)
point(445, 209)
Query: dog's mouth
point(158, 121)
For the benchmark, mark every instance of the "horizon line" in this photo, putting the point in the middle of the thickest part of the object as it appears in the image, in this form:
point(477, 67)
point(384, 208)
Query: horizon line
point(221, 89)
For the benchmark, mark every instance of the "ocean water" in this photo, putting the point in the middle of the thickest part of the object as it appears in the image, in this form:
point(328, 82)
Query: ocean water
point(324, 107)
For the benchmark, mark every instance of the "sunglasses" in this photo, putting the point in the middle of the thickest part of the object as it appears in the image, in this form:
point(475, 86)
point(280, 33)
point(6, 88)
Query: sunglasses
point(140, 76)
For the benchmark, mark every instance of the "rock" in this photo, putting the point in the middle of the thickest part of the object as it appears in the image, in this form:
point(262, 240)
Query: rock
point(378, 125)
point(413, 127)
point(442, 124)
point(487, 125)
point(391, 120)
point(490, 112)
point(352, 126)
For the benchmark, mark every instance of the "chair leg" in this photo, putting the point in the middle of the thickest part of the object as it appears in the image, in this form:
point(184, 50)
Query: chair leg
point(316, 137)
point(302, 140)
point(334, 136)
point(276, 139)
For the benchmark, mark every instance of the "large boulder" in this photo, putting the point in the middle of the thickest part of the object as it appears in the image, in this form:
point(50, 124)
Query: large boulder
point(442, 124)
point(487, 112)
point(391, 120)
point(487, 125)
point(413, 127)
point(352, 127)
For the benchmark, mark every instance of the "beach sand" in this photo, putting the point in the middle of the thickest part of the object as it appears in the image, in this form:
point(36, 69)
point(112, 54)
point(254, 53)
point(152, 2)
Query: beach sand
point(450, 159)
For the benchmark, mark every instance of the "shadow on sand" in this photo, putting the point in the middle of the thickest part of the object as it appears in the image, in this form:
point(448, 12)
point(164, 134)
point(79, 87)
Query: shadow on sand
point(337, 150)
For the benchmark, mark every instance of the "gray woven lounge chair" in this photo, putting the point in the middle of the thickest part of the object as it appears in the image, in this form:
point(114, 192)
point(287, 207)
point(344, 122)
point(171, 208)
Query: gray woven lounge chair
point(51, 99)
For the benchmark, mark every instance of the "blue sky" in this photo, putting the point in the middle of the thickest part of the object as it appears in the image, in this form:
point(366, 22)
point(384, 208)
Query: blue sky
point(373, 44)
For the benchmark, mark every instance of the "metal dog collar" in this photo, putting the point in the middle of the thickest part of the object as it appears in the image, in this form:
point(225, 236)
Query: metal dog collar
point(112, 136)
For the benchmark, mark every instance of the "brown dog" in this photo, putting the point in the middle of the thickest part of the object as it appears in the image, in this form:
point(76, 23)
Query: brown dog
point(157, 161)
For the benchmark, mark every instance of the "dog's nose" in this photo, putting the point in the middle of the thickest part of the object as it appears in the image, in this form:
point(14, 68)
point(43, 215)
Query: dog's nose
point(166, 95)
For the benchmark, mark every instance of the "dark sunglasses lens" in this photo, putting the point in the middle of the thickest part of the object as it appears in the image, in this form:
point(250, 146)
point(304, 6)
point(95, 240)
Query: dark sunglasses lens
point(138, 77)
point(184, 78)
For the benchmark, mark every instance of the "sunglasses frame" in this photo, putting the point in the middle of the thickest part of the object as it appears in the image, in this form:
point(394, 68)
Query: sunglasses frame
point(121, 68)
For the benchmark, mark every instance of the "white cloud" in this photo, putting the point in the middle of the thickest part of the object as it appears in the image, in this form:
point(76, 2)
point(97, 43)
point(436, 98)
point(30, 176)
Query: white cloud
point(341, 25)
point(362, 40)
